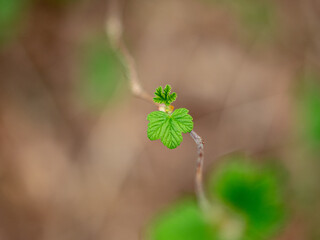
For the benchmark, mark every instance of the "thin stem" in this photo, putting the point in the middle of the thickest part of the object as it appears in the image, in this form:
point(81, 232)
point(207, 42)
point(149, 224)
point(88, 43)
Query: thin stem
point(132, 75)
point(202, 199)
point(114, 29)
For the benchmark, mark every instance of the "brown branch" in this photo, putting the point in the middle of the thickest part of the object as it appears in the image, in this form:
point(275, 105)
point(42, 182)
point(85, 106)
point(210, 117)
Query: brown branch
point(114, 30)
point(202, 199)
point(132, 75)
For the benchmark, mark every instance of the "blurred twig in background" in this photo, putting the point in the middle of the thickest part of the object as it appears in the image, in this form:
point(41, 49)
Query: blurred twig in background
point(114, 29)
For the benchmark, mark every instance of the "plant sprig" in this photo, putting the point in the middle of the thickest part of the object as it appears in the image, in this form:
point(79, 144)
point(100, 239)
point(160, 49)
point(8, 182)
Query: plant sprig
point(168, 125)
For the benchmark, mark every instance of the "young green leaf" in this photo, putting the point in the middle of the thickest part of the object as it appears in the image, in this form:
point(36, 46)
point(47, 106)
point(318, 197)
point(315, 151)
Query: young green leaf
point(164, 96)
point(169, 128)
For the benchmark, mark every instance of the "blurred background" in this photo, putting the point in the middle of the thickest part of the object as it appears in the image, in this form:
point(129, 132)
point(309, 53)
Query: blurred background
point(75, 160)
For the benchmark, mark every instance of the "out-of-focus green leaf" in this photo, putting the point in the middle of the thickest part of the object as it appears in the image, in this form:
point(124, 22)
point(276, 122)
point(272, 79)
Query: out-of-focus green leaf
point(101, 73)
point(183, 221)
point(10, 13)
point(258, 16)
point(254, 193)
point(309, 101)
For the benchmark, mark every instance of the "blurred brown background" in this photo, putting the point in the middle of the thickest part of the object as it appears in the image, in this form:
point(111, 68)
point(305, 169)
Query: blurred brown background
point(75, 160)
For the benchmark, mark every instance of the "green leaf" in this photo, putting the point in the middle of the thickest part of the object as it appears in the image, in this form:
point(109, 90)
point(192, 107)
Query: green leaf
point(169, 127)
point(254, 193)
point(100, 72)
point(259, 18)
point(11, 14)
point(308, 108)
point(164, 96)
point(184, 221)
